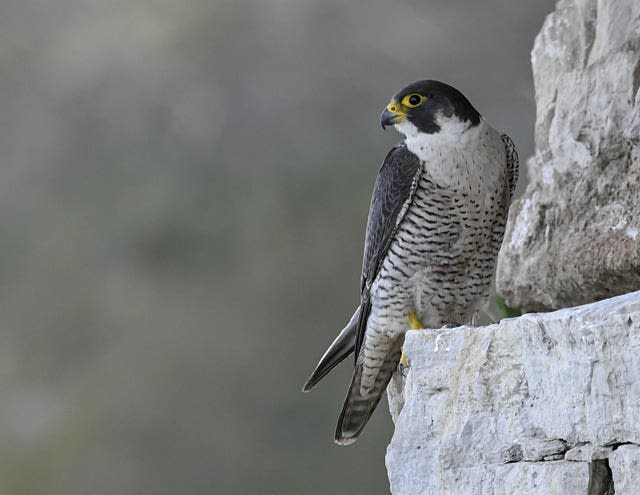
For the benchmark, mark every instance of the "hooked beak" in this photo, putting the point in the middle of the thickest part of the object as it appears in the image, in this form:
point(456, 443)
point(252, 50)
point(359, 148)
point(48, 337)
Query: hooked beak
point(393, 114)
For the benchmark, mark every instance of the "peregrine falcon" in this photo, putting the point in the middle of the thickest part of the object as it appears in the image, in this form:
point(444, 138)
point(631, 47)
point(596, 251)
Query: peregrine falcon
point(435, 226)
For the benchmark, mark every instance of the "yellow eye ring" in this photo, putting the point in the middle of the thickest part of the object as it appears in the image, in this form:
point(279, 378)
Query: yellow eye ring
point(413, 100)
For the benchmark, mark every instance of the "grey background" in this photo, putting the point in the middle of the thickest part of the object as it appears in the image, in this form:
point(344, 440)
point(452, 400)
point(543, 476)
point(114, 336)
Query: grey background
point(183, 193)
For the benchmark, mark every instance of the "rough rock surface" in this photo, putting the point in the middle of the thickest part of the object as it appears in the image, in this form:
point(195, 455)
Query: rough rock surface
point(574, 237)
point(545, 404)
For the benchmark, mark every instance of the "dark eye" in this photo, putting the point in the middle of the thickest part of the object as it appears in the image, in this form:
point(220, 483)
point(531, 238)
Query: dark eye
point(413, 100)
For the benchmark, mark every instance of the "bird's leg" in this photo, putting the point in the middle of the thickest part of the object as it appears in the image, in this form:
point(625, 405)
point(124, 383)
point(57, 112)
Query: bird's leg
point(414, 324)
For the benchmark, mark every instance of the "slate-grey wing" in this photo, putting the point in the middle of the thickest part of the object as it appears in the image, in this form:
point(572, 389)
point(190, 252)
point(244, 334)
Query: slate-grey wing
point(513, 162)
point(393, 192)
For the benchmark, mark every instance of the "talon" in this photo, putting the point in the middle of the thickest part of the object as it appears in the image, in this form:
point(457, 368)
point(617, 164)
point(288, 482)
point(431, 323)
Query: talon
point(414, 322)
point(403, 365)
point(451, 325)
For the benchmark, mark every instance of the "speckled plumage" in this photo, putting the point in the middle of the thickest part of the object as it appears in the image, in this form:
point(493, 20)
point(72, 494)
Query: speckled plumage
point(435, 226)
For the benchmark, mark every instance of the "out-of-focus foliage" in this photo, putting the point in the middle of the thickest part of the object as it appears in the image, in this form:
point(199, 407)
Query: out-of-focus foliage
point(183, 197)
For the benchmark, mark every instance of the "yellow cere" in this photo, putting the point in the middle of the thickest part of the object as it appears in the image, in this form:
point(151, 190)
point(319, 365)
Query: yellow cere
point(396, 109)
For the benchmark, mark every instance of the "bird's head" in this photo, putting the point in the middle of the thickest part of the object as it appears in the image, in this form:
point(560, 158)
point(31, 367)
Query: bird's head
point(429, 107)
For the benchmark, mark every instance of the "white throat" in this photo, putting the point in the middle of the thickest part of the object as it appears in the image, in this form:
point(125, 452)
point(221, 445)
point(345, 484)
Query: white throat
point(457, 141)
point(407, 128)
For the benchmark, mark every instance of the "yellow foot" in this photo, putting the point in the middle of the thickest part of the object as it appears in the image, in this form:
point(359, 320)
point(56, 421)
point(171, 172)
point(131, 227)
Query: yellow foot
point(414, 322)
point(403, 366)
point(404, 362)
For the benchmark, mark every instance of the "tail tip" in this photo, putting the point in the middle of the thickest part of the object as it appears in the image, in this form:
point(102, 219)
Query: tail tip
point(311, 382)
point(345, 436)
point(342, 440)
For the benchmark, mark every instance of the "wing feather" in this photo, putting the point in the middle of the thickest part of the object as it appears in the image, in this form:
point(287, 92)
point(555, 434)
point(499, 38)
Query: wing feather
point(393, 193)
point(513, 162)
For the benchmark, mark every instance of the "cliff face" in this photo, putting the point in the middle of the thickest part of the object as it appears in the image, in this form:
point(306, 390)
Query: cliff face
point(548, 403)
point(574, 236)
point(542, 404)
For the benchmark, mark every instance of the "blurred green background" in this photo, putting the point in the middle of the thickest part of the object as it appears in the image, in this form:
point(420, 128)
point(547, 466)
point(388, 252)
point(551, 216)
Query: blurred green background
point(183, 198)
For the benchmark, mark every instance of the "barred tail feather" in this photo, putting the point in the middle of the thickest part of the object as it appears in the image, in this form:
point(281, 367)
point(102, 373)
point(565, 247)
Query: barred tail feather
point(357, 408)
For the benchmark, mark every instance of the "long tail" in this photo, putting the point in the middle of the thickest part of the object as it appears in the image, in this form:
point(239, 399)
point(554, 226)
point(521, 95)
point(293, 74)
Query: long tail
point(339, 349)
point(358, 408)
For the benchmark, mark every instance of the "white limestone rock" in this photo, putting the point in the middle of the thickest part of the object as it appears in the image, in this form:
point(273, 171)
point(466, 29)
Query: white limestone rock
point(625, 466)
point(508, 408)
point(588, 452)
point(573, 237)
point(542, 478)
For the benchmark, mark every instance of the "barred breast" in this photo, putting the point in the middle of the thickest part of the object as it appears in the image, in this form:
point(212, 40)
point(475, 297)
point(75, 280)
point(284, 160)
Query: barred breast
point(441, 262)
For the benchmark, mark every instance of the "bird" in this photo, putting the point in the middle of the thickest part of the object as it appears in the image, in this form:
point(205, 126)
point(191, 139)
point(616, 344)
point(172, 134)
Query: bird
point(436, 222)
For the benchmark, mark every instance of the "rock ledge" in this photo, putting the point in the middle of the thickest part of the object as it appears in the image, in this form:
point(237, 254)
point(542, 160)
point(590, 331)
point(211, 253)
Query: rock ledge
point(540, 404)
